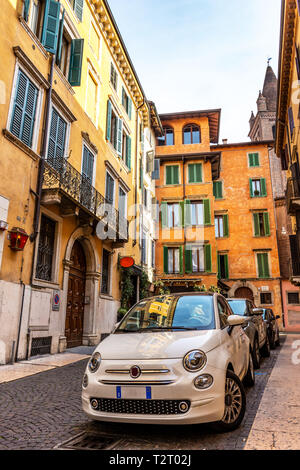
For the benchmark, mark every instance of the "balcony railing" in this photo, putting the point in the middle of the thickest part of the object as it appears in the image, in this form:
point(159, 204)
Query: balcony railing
point(60, 175)
point(293, 195)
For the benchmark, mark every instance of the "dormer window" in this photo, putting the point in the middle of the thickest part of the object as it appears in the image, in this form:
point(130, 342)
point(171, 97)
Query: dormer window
point(168, 137)
point(191, 134)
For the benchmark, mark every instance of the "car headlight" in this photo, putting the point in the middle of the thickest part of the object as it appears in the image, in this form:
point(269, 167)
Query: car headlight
point(194, 361)
point(94, 362)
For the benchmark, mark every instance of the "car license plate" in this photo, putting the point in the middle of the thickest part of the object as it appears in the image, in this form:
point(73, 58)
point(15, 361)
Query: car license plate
point(131, 393)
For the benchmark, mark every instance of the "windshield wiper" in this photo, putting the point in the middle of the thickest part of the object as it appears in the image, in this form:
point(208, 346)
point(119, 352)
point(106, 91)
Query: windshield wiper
point(170, 328)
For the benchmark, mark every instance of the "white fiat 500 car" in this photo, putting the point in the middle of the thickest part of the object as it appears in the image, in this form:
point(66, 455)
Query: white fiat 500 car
point(173, 359)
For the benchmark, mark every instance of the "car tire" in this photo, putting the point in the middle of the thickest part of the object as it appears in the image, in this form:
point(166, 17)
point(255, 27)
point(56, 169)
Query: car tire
point(256, 354)
point(277, 342)
point(265, 350)
point(249, 379)
point(235, 404)
point(272, 340)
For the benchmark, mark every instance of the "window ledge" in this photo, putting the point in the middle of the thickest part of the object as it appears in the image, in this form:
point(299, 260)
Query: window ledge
point(64, 80)
point(34, 37)
point(106, 297)
point(18, 143)
point(45, 284)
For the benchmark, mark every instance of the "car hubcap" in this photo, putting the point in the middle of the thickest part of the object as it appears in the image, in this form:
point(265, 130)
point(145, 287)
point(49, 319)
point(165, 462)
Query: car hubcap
point(233, 401)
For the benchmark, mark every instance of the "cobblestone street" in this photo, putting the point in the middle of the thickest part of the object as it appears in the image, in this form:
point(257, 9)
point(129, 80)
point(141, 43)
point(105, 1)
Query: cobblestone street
point(41, 411)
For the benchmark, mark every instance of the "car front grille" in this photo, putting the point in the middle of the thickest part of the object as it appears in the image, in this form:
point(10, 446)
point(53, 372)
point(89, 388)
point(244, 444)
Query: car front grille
point(141, 407)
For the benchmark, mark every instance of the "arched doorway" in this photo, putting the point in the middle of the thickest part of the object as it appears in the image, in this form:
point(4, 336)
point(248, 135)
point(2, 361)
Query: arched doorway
point(76, 295)
point(244, 293)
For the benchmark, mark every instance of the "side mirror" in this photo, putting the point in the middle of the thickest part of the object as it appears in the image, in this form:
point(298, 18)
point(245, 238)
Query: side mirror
point(277, 317)
point(235, 320)
point(257, 311)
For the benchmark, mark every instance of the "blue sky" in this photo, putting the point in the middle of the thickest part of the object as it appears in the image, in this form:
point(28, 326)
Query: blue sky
point(202, 54)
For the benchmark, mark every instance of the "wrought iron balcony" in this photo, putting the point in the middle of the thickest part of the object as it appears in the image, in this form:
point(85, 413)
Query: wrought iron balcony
point(293, 195)
point(62, 179)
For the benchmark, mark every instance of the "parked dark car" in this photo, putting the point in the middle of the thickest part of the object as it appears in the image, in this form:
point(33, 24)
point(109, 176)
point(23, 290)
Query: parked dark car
point(272, 327)
point(255, 328)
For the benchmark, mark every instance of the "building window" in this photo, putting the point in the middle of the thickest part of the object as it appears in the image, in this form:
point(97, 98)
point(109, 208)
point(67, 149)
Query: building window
point(198, 260)
point(258, 187)
point(127, 103)
point(168, 137)
point(44, 266)
point(114, 130)
point(263, 265)
point(174, 215)
point(197, 213)
point(173, 260)
point(221, 226)
point(223, 267)
point(266, 298)
point(261, 221)
point(253, 160)
point(24, 109)
point(57, 141)
point(144, 247)
point(35, 17)
point(172, 174)
point(77, 6)
point(293, 298)
point(191, 135)
point(195, 173)
point(110, 189)
point(105, 285)
point(113, 77)
point(218, 189)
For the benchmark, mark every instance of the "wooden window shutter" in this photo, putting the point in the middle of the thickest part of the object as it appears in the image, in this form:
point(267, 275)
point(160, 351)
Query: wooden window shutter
point(218, 189)
point(169, 175)
point(208, 259)
point(108, 122)
point(260, 265)
point(226, 263)
point(187, 213)
point(263, 265)
point(263, 187)
point(188, 260)
point(207, 212)
point(78, 9)
point(267, 224)
point(88, 164)
point(226, 225)
point(26, 9)
point(166, 260)
point(120, 136)
point(128, 152)
point(76, 62)
point(60, 37)
point(56, 144)
point(256, 224)
point(51, 26)
point(176, 174)
point(130, 111)
point(181, 259)
point(192, 175)
point(123, 96)
point(181, 213)
point(251, 188)
point(251, 160)
point(199, 173)
point(24, 110)
point(219, 267)
point(164, 214)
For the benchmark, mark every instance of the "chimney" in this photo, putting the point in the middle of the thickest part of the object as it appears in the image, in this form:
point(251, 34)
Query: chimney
point(225, 141)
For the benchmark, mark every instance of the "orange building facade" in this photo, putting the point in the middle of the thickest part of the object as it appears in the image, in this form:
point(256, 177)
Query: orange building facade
point(217, 220)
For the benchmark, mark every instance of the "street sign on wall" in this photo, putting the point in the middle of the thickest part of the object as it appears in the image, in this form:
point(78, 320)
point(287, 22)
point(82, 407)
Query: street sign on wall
point(56, 300)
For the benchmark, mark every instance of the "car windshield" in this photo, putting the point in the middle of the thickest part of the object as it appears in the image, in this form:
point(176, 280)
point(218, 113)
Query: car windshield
point(239, 307)
point(192, 312)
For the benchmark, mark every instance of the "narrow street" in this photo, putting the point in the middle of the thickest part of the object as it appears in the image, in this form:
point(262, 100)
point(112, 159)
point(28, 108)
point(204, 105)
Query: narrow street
point(43, 412)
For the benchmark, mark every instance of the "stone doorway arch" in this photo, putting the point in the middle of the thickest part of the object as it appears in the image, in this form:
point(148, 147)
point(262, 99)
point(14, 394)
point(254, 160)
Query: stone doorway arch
point(244, 293)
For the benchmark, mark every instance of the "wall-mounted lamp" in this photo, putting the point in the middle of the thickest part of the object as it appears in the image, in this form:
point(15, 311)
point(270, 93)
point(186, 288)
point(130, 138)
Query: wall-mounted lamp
point(18, 239)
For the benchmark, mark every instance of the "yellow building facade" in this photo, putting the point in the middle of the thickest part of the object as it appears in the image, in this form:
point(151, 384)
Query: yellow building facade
point(73, 118)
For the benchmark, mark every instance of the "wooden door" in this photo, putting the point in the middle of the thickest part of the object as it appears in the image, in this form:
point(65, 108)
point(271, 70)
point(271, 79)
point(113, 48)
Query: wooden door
point(76, 295)
point(244, 293)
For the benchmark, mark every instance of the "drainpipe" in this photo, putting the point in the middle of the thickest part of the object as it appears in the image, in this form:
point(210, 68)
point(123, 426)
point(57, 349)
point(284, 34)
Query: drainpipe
point(38, 192)
point(136, 165)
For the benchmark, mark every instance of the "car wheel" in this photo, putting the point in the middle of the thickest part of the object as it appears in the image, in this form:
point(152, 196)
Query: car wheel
point(265, 350)
point(249, 379)
point(235, 404)
point(277, 342)
point(272, 340)
point(256, 354)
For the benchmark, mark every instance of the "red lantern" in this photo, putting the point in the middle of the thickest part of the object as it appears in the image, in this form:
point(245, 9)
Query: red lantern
point(127, 262)
point(18, 238)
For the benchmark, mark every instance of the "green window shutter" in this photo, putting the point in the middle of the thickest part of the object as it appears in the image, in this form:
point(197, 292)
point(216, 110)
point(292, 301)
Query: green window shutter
point(166, 260)
point(195, 173)
point(51, 25)
point(120, 136)
point(251, 188)
point(76, 62)
point(256, 159)
point(207, 212)
point(164, 214)
point(263, 186)
point(219, 266)
point(256, 225)
point(130, 111)
point(226, 266)
point(199, 173)
point(192, 176)
point(187, 213)
point(60, 37)
point(108, 122)
point(176, 174)
point(26, 9)
point(218, 189)
point(24, 110)
point(181, 259)
point(181, 213)
point(267, 224)
point(263, 265)
point(208, 260)
point(188, 260)
point(253, 159)
point(169, 174)
point(123, 96)
point(226, 225)
point(56, 143)
point(266, 265)
point(260, 265)
point(128, 152)
point(78, 9)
